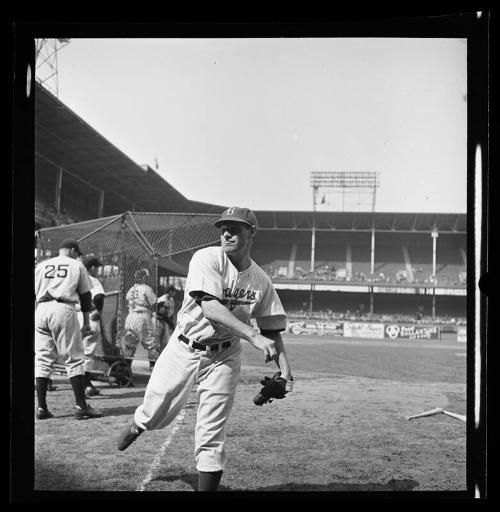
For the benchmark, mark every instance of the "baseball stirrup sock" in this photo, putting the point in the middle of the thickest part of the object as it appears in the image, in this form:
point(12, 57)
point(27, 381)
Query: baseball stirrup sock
point(78, 385)
point(88, 381)
point(42, 383)
point(209, 480)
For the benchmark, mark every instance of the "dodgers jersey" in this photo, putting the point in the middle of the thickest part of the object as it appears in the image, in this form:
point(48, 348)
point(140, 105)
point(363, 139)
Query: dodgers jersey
point(61, 278)
point(140, 298)
point(247, 294)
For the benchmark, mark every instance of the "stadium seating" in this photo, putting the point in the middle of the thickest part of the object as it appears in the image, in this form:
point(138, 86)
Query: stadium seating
point(48, 216)
point(347, 257)
point(330, 257)
point(387, 307)
point(360, 261)
point(449, 265)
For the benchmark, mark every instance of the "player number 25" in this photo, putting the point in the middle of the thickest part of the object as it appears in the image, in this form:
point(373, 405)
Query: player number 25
point(62, 271)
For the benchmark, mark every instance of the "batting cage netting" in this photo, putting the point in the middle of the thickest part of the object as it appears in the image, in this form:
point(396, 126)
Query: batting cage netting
point(135, 249)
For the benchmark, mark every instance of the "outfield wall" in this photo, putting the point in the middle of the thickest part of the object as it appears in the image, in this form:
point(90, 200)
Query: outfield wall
point(378, 330)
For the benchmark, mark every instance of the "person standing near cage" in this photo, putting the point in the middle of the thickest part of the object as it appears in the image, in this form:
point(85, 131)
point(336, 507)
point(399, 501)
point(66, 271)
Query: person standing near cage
point(165, 317)
point(92, 343)
point(139, 328)
point(60, 283)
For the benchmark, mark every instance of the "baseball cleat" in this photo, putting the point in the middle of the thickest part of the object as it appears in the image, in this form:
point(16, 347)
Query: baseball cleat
point(90, 391)
point(86, 413)
point(43, 414)
point(129, 436)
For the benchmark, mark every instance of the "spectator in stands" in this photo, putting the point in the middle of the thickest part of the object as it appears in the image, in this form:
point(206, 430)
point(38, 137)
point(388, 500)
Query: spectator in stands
point(419, 314)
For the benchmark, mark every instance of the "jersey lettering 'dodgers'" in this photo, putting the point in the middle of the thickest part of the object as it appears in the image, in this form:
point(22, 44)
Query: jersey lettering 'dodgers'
point(224, 290)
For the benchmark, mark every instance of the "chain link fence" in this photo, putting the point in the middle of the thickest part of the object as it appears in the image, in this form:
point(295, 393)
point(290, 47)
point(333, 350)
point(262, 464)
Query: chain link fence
point(134, 249)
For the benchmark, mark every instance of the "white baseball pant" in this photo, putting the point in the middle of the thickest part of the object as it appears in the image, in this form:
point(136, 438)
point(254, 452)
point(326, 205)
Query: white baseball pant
point(92, 345)
point(57, 333)
point(177, 369)
point(139, 328)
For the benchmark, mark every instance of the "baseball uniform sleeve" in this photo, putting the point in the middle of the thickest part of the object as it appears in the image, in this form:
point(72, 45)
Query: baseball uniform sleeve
point(151, 296)
point(97, 288)
point(204, 275)
point(269, 313)
point(84, 284)
point(129, 293)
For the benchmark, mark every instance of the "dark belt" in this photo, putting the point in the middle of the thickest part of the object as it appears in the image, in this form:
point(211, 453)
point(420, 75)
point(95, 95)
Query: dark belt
point(52, 299)
point(200, 346)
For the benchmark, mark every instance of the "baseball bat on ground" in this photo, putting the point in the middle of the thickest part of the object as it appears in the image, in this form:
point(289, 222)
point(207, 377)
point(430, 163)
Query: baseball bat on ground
point(432, 412)
point(455, 415)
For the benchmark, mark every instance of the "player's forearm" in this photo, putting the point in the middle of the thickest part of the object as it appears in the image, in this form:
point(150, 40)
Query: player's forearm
point(86, 319)
point(85, 302)
point(282, 362)
point(217, 314)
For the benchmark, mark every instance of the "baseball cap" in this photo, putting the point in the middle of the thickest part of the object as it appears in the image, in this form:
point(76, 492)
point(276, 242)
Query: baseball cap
point(70, 243)
point(91, 261)
point(237, 214)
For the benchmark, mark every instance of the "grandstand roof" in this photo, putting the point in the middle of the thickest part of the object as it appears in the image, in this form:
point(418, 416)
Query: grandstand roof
point(63, 139)
point(362, 221)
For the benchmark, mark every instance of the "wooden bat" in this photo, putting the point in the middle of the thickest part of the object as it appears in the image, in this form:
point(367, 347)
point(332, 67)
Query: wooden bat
point(432, 412)
point(455, 415)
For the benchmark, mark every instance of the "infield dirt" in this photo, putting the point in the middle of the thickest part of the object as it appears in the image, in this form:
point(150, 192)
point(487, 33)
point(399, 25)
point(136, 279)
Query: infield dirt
point(342, 429)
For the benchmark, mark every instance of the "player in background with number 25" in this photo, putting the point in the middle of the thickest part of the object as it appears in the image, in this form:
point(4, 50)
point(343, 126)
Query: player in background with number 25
point(60, 283)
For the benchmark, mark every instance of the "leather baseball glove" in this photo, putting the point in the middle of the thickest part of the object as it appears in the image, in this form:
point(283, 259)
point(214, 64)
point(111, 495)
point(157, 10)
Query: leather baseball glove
point(275, 387)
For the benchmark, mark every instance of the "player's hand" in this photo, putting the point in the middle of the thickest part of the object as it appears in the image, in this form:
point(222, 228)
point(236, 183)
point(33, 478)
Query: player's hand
point(267, 345)
point(86, 330)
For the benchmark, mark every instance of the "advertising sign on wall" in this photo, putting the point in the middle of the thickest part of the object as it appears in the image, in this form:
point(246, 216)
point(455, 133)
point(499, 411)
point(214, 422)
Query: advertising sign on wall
point(320, 328)
point(363, 330)
point(462, 333)
point(394, 331)
point(370, 330)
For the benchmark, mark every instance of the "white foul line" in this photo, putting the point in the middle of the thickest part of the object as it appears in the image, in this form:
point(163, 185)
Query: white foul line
point(159, 455)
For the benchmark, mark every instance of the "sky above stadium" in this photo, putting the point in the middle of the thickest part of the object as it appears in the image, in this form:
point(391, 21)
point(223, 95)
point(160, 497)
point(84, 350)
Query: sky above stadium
point(246, 121)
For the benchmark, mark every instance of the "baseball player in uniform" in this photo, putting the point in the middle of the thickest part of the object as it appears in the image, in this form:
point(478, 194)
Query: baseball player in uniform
point(92, 343)
point(139, 328)
point(60, 283)
point(225, 288)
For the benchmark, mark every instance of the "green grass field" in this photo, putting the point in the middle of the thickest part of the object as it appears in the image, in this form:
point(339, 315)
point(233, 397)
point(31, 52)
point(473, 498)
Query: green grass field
point(342, 429)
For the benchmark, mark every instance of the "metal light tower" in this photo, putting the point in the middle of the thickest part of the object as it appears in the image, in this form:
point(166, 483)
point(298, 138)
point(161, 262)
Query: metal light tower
point(347, 183)
point(46, 62)
point(434, 235)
